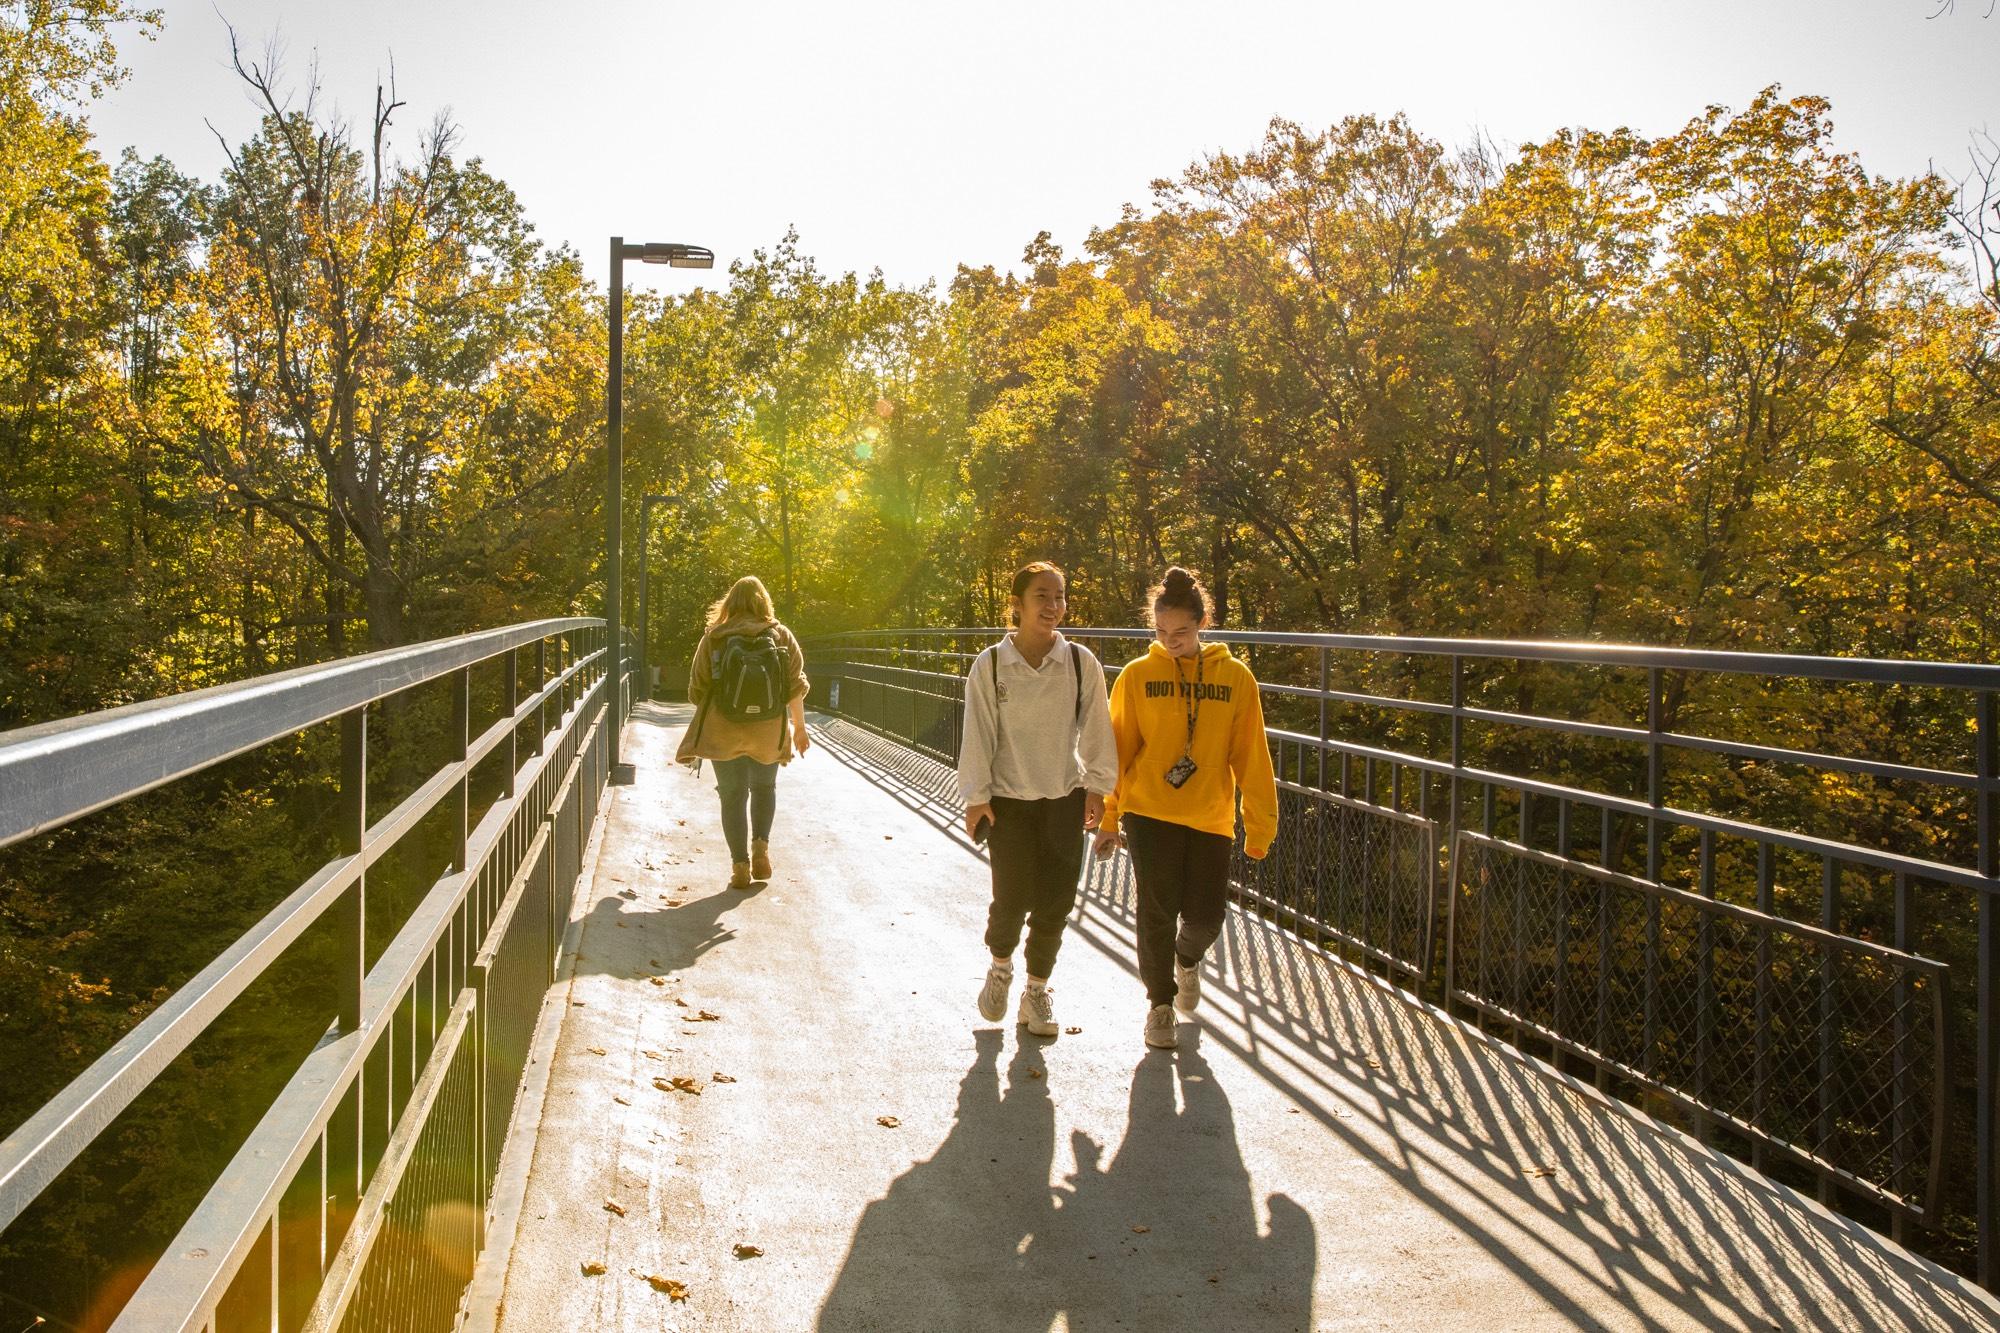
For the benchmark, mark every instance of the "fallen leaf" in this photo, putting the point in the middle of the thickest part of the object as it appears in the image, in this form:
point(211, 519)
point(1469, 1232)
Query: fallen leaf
point(613, 1206)
point(659, 981)
point(722, 1078)
point(676, 1291)
point(597, 1050)
point(652, 1055)
point(652, 962)
point(1291, 1110)
point(576, 1004)
point(1215, 1279)
point(1140, 1231)
point(887, 1121)
point(1072, 1031)
point(622, 1101)
point(747, 1251)
point(681, 1001)
point(1192, 1078)
point(1034, 1073)
point(1540, 1171)
point(619, 924)
point(704, 1016)
point(679, 1083)
point(675, 902)
point(888, 837)
point(592, 1268)
point(1373, 1063)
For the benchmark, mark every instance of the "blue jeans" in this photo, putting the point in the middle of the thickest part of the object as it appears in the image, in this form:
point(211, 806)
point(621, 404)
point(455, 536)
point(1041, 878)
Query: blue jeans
point(749, 802)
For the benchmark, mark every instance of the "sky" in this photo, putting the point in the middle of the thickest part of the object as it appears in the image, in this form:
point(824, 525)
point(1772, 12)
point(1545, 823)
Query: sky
point(912, 137)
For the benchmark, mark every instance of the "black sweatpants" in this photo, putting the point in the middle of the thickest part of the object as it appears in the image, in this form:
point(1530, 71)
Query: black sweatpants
point(1037, 855)
point(1183, 877)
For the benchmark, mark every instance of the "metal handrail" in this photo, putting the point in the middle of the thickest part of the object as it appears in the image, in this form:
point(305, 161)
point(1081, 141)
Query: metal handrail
point(59, 771)
point(1958, 675)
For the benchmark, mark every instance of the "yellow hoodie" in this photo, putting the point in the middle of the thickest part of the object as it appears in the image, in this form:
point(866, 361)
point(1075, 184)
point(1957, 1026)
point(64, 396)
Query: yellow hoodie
point(1149, 718)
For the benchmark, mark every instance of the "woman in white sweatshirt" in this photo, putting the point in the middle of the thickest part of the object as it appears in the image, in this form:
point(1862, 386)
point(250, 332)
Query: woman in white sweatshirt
point(1034, 766)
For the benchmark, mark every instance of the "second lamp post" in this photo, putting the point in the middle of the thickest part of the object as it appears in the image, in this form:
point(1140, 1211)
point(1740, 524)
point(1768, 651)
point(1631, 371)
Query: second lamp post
point(651, 252)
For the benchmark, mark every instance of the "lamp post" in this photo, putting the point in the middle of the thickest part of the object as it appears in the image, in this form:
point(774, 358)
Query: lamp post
point(646, 504)
point(651, 252)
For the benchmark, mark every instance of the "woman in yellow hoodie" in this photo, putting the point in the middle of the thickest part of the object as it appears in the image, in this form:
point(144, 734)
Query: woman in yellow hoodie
point(1190, 732)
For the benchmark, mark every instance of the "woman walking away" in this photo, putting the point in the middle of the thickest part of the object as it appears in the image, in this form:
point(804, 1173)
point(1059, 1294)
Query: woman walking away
point(1034, 767)
point(748, 687)
point(1190, 732)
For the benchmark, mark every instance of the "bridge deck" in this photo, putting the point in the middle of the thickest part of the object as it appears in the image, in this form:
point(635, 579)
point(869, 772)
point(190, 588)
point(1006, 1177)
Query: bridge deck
point(1318, 1154)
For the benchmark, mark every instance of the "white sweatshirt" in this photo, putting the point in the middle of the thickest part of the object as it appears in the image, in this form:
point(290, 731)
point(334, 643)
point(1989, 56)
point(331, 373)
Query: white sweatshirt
point(1037, 747)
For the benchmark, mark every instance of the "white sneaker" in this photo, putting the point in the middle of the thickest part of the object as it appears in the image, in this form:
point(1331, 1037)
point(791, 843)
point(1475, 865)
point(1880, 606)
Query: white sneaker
point(993, 995)
point(1038, 1010)
point(1160, 1027)
point(1188, 980)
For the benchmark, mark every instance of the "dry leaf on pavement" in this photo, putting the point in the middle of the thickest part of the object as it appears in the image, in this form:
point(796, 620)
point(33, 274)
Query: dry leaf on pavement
point(704, 1016)
point(1072, 1031)
point(1539, 1171)
point(1034, 1073)
point(652, 1055)
point(597, 1050)
point(747, 1251)
point(592, 1268)
point(887, 1121)
point(613, 1206)
point(679, 1083)
point(658, 981)
point(722, 1078)
point(622, 1101)
point(676, 1291)
point(1140, 1231)
point(681, 1000)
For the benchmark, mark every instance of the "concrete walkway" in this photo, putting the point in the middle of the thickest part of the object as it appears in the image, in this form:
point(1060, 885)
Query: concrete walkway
point(1318, 1154)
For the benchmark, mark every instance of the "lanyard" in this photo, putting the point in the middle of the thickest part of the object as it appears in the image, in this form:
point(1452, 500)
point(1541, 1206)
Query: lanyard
point(1191, 701)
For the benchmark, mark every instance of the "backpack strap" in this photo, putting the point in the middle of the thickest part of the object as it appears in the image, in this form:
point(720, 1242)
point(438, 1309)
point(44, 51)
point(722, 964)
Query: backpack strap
point(1076, 669)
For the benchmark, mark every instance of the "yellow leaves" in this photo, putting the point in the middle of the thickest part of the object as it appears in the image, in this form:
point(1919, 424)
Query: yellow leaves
point(887, 1121)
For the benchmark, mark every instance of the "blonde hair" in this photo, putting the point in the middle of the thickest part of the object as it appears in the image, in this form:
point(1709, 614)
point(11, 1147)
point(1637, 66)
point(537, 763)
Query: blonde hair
point(746, 597)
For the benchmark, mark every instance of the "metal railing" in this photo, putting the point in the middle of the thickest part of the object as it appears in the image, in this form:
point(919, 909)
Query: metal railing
point(1617, 882)
point(363, 1187)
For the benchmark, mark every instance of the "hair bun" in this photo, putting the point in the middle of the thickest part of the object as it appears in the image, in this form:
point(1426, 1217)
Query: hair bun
point(1178, 580)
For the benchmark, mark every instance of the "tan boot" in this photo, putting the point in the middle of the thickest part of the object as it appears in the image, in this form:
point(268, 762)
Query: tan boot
point(739, 875)
point(760, 858)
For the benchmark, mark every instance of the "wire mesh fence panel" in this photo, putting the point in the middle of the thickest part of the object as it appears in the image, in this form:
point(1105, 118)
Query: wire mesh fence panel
point(1348, 872)
point(1823, 1047)
point(414, 1274)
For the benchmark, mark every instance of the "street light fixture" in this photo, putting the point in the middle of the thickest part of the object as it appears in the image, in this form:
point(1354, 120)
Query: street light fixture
point(675, 255)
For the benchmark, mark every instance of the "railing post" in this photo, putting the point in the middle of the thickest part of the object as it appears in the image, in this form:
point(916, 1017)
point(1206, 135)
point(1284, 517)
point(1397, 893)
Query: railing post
point(1988, 769)
point(542, 704)
point(1655, 763)
point(1829, 920)
point(350, 917)
point(513, 723)
point(1325, 680)
point(461, 743)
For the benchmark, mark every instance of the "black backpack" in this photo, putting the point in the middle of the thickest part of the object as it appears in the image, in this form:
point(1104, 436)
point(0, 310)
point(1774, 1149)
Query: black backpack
point(752, 677)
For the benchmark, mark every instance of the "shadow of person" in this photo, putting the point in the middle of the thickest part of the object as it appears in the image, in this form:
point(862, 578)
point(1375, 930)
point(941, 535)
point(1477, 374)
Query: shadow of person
point(946, 1247)
point(1168, 1234)
point(627, 938)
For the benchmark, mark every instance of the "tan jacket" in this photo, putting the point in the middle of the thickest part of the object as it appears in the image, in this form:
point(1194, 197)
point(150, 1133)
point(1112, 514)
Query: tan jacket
point(712, 735)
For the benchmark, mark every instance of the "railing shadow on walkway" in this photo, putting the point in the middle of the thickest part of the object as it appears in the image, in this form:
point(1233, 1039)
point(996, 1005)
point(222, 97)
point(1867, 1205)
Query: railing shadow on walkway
point(1662, 1214)
point(979, 1216)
